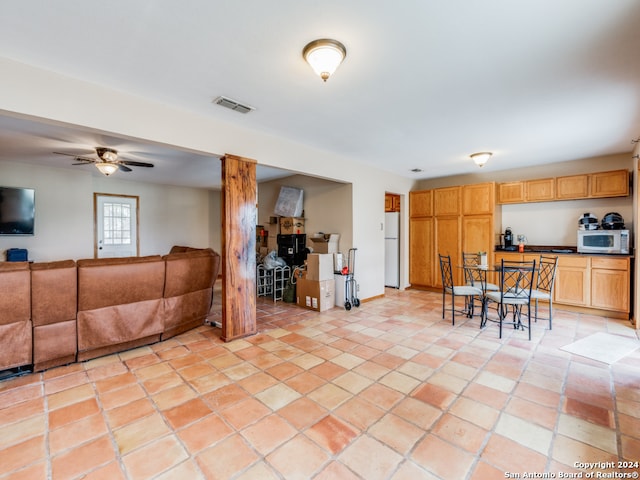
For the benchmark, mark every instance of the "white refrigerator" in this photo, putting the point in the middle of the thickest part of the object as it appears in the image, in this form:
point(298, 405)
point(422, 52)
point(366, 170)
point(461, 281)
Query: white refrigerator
point(392, 249)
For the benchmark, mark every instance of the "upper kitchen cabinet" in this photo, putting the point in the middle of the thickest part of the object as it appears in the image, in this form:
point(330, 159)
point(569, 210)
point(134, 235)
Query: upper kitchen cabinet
point(572, 187)
point(446, 201)
point(609, 184)
point(543, 190)
point(478, 199)
point(421, 203)
point(511, 192)
point(391, 202)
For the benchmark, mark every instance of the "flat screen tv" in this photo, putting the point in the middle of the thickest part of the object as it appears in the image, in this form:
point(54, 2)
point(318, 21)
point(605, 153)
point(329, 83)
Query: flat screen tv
point(17, 211)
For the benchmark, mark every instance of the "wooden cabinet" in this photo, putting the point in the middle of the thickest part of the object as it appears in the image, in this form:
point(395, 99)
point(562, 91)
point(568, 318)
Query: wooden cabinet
point(447, 242)
point(449, 221)
point(391, 203)
point(614, 183)
point(421, 266)
point(543, 190)
point(572, 281)
point(478, 199)
point(477, 234)
point(446, 201)
point(572, 187)
point(589, 281)
point(609, 184)
point(610, 283)
point(511, 192)
point(421, 203)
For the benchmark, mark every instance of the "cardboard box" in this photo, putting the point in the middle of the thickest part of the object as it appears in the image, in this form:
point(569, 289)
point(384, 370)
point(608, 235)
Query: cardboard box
point(314, 295)
point(291, 225)
point(327, 243)
point(320, 266)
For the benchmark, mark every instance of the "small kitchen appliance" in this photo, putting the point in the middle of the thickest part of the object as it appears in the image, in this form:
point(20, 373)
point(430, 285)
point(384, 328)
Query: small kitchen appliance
point(508, 238)
point(588, 221)
point(603, 241)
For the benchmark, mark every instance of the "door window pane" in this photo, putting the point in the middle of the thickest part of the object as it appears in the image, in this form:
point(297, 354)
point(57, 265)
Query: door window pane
point(117, 223)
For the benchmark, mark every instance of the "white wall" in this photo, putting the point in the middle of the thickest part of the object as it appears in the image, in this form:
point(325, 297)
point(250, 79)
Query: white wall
point(40, 94)
point(64, 213)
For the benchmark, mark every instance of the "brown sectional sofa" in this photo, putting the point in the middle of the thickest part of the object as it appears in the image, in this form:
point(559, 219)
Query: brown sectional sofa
point(16, 330)
point(54, 302)
point(58, 312)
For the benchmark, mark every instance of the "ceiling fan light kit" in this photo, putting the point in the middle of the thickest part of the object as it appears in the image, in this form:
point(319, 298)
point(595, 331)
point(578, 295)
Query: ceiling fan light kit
point(324, 56)
point(107, 168)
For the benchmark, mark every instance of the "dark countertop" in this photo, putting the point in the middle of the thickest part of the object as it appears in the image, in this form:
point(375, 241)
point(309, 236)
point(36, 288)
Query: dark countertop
point(568, 250)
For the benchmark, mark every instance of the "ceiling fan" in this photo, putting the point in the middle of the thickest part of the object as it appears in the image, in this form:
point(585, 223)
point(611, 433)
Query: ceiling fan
point(107, 161)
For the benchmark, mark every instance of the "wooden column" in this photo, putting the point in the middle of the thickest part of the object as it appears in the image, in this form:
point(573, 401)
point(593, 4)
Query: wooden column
point(239, 217)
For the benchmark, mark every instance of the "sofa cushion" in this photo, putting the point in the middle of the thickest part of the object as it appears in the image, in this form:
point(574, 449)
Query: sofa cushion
point(54, 292)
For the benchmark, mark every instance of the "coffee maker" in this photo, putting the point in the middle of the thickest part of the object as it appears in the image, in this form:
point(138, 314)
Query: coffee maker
point(508, 238)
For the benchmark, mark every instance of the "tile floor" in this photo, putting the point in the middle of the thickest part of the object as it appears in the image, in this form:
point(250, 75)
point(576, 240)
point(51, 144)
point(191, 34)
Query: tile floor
point(386, 391)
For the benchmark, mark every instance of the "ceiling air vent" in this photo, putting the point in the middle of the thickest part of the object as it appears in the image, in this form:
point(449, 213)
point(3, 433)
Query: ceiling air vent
point(232, 104)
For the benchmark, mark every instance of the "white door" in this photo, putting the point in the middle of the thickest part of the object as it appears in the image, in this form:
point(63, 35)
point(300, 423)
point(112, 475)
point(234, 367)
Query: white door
point(116, 220)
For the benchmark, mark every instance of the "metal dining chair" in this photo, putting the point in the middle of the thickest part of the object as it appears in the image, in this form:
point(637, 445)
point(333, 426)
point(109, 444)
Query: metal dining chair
point(475, 276)
point(544, 286)
point(516, 282)
point(470, 293)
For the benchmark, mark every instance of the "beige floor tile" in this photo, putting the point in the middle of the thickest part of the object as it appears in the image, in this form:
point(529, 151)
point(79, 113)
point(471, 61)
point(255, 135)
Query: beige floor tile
point(154, 458)
point(299, 458)
point(277, 396)
point(369, 458)
point(475, 412)
point(525, 433)
point(589, 433)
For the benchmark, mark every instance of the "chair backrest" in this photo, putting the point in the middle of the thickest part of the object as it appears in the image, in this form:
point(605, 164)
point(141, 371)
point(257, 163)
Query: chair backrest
point(516, 278)
point(445, 271)
point(472, 275)
point(547, 273)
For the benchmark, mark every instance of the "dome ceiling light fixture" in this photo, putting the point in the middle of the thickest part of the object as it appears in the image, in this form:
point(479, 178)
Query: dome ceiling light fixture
point(324, 56)
point(481, 158)
point(107, 168)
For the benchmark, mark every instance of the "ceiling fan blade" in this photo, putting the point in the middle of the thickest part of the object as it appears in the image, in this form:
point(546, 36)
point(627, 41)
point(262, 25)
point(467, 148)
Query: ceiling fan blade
point(136, 164)
point(77, 157)
point(84, 162)
point(124, 168)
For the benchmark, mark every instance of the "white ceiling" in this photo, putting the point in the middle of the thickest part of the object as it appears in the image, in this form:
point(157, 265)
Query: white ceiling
point(425, 82)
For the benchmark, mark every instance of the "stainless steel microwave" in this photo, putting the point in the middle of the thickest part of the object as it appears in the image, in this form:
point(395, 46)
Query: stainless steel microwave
point(603, 241)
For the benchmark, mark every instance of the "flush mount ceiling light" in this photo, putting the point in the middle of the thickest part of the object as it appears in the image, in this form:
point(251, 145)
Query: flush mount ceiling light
point(481, 158)
point(324, 56)
point(107, 168)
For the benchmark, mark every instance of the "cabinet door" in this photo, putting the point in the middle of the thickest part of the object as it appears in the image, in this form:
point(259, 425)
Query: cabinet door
point(572, 187)
point(479, 199)
point(477, 234)
point(610, 283)
point(395, 203)
point(421, 203)
point(421, 265)
point(542, 190)
point(447, 242)
point(511, 192)
point(388, 203)
point(572, 281)
point(446, 201)
point(610, 184)
point(610, 289)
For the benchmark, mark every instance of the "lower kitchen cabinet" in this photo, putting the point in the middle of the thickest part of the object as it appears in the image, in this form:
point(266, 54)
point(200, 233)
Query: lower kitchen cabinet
point(610, 283)
point(589, 281)
point(572, 281)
